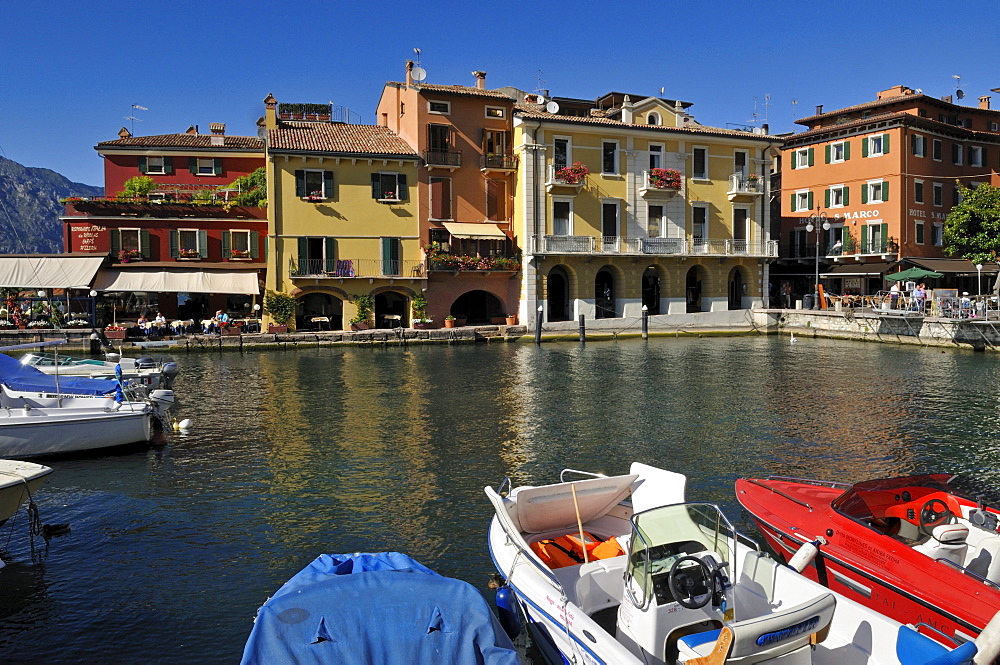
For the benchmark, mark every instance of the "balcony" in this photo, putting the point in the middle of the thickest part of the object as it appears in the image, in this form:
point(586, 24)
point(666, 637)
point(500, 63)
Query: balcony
point(443, 262)
point(160, 208)
point(745, 187)
point(442, 159)
point(497, 162)
point(658, 185)
point(558, 178)
point(354, 269)
point(680, 247)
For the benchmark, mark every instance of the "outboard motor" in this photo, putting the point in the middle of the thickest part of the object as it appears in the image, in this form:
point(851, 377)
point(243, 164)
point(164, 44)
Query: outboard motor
point(145, 363)
point(162, 401)
point(168, 372)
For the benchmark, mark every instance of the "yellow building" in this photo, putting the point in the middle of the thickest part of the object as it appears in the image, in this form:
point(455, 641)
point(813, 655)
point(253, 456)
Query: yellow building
point(342, 219)
point(624, 204)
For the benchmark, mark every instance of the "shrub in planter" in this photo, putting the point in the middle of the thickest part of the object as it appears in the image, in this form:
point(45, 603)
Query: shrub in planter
point(366, 312)
point(280, 306)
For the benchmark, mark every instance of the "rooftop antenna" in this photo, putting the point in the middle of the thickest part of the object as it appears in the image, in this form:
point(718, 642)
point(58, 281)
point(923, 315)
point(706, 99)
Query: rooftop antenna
point(795, 104)
point(959, 93)
point(539, 82)
point(132, 117)
point(418, 73)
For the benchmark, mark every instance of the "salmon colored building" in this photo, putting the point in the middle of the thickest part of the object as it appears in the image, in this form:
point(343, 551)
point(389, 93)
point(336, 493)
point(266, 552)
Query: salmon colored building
point(884, 175)
point(464, 190)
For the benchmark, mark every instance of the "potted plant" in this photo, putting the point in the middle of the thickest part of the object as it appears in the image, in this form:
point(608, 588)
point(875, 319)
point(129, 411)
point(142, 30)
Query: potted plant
point(315, 196)
point(129, 255)
point(512, 319)
point(7, 324)
point(115, 332)
point(665, 178)
point(449, 321)
point(281, 307)
point(419, 307)
point(573, 174)
point(366, 309)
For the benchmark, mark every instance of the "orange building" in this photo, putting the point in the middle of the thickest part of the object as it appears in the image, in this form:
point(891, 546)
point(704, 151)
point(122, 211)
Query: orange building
point(885, 175)
point(465, 186)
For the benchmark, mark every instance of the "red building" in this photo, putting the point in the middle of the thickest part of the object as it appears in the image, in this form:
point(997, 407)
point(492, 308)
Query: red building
point(188, 246)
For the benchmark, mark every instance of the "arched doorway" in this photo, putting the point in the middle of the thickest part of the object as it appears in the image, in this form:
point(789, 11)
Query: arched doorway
point(693, 290)
point(319, 304)
point(651, 290)
point(477, 307)
point(604, 295)
point(737, 288)
point(392, 310)
point(557, 291)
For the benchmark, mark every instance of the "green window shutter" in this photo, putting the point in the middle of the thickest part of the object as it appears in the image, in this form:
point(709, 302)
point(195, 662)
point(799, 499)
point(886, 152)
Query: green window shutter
point(227, 243)
point(810, 200)
point(386, 254)
point(328, 184)
point(300, 183)
point(844, 235)
point(864, 193)
point(795, 156)
point(254, 245)
point(826, 155)
point(401, 187)
point(847, 150)
point(116, 243)
point(142, 164)
point(203, 243)
point(885, 237)
point(331, 254)
point(913, 144)
point(826, 198)
point(217, 165)
point(193, 165)
point(864, 146)
point(885, 144)
point(791, 204)
point(376, 186)
point(175, 242)
point(168, 165)
point(144, 243)
point(303, 254)
point(812, 157)
point(885, 190)
point(847, 198)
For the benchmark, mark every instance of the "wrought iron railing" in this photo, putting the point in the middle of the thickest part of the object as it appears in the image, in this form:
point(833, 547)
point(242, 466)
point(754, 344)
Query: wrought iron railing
point(348, 268)
point(552, 244)
point(443, 157)
point(498, 161)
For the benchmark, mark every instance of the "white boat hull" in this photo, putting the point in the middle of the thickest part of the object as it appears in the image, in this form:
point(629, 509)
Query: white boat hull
point(34, 432)
point(18, 482)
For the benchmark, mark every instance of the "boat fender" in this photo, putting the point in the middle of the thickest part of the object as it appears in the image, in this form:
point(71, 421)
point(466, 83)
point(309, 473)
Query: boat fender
point(507, 611)
point(185, 424)
point(804, 556)
point(988, 642)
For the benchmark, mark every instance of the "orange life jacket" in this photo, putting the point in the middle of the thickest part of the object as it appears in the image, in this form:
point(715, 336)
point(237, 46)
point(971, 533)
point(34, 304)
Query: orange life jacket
point(568, 550)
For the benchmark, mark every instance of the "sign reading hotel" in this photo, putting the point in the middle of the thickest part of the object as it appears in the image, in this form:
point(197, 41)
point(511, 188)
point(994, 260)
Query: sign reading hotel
point(85, 238)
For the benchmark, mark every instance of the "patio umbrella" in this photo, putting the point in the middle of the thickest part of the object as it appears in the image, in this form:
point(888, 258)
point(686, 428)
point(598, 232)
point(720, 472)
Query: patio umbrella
point(912, 273)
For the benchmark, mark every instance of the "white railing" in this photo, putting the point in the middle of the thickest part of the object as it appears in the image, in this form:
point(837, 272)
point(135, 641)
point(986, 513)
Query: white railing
point(651, 246)
point(745, 184)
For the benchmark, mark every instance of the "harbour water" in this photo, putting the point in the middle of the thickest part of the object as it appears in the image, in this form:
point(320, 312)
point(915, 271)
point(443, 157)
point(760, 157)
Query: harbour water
point(297, 453)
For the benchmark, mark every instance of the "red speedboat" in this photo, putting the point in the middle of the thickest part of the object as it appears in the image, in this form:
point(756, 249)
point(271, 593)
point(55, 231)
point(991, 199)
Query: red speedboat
point(919, 549)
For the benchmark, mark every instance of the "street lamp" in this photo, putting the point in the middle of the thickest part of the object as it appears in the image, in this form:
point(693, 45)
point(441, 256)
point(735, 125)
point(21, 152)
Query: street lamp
point(814, 221)
point(979, 279)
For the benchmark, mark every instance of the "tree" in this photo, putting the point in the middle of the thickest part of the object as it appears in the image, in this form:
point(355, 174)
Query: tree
point(972, 230)
point(252, 188)
point(137, 187)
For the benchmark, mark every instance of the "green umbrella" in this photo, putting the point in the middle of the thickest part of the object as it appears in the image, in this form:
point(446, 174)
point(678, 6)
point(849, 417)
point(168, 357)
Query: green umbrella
point(912, 273)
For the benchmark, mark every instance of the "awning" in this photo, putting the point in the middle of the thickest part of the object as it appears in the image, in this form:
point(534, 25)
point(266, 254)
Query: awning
point(953, 266)
point(463, 230)
point(48, 272)
point(857, 270)
point(242, 282)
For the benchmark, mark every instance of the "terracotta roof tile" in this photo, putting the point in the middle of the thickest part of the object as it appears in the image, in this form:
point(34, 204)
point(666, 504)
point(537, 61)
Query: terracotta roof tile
point(464, 90)
point(338, 138)
point(187, 141)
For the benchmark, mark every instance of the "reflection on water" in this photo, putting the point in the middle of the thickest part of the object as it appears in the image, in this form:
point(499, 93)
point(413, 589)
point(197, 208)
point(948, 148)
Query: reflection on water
point(296, 453)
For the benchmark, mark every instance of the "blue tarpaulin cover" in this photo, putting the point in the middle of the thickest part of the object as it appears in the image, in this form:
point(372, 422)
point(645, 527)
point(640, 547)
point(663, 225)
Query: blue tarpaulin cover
point(376, 608)
point(29, 379)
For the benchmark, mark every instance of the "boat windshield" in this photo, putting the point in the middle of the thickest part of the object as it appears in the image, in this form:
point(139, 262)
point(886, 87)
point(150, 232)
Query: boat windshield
point(661, 536)
point(868, 499)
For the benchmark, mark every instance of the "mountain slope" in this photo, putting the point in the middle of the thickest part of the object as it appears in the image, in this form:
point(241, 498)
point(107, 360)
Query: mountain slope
point(30, 210)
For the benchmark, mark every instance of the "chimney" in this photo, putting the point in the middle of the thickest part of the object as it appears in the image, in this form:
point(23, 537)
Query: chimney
point(984, 102)
point(124, 133)
point(193, 129)
point(947, 99)
point(819, 109)
point(480, 79)
point(765, 128)
point(409, 73)
point(218, 128)
point(270, 112)
point(627, 110)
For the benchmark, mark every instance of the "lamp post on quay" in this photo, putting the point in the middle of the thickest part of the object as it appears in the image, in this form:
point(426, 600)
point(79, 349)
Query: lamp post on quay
point(814, 222)
point(979, 279)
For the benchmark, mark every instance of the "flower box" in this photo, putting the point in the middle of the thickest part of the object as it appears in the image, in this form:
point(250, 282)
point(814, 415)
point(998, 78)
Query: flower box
point(359, 326)
point(230, 330)
point(275, 330)
point(115, 334)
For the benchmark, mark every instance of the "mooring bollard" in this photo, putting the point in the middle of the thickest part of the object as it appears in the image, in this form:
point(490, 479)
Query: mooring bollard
point(645, 322)
point(538, 326)
point(583, 329)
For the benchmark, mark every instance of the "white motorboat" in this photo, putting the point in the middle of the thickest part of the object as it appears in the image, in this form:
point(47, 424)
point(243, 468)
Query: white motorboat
point(144, 371)
point(28, 432)
point(18, 482)
point(622, 570)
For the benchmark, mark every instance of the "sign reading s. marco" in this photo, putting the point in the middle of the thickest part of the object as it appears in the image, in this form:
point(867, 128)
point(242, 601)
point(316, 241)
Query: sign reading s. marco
point(858, 214)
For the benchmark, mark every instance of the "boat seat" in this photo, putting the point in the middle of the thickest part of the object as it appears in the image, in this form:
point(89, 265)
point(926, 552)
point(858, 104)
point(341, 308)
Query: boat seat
point(947, 541)
point(762, 638)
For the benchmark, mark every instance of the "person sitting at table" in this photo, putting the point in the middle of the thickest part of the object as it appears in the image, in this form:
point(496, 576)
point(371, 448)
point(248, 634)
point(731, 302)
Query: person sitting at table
point(142, 321)
point(160, 320)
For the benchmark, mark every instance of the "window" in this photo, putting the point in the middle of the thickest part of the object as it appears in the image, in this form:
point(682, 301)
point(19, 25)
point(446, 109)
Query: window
point(654, 221)
point(129, 244)
point(838, 152)
point(496, 149)
point(837, 196)
point(392, 253)
point(655, 155)
point(440, 198)
point(803, 158)
point(129, 240)
point(205, 166)
point(740, 159)
point(496, 201)
point(189, 243)
point(239, 244)
point(700, 163)
point(956, 153)
point(496, 112)
point(313, 184)
point(918, 191)
point(609, 157)
point(699, 221)
point(560, 152)
point(443, 108)
point(875, 146)
point(936, 149)
point(918, 231)
point(956, 196)
point(938, 194)
point(609, 219)
point(975, 155)
point(653, 118)
point(875, 192)
point(994, 126)
point(438, 139)
point(937, 234)
point(156, 165)
point(917, 145)
point(562, 212)
point(802, 201)
point(389, 187)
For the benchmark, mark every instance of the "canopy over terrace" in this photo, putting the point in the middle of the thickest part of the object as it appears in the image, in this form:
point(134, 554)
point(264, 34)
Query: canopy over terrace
point(240, 282)
point(49, 272)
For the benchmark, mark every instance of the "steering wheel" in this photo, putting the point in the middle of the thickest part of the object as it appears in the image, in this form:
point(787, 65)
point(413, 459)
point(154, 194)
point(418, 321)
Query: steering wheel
point(684, 579)
point(930, 517)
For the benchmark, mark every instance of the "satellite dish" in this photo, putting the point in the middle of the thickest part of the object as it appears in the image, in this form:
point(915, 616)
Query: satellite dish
point(418, 73)
point(960, 93)
point(535, 99)
point(552, 107)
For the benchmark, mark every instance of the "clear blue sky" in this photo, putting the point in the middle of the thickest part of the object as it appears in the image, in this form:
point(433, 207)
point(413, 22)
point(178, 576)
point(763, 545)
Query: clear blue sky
point(71, 70)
